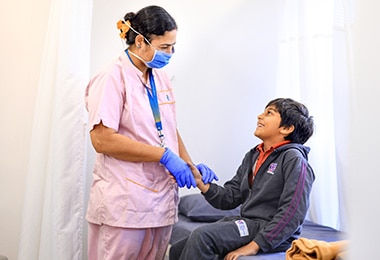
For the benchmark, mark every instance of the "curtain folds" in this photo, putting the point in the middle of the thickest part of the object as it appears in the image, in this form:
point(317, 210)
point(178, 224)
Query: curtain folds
point(314, 67)
point(52, 223)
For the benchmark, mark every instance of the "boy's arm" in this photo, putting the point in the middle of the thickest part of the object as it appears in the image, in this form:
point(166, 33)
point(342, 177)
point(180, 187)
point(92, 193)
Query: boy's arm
point(251, 248)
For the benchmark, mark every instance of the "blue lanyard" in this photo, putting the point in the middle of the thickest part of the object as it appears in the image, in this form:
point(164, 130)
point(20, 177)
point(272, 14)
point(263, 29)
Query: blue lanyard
point(153, 100)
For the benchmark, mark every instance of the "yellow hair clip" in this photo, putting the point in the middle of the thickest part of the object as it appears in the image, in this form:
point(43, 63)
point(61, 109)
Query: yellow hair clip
point(123, 27)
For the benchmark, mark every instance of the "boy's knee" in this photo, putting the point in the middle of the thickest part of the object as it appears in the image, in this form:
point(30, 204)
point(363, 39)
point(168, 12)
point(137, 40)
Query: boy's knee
point(198, 235)
point(176, 249)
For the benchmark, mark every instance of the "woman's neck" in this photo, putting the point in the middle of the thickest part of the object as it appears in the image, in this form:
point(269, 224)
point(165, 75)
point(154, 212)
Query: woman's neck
point(138, 62)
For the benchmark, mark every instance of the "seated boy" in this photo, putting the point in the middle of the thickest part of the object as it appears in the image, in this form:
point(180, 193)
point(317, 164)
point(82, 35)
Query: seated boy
point(272, 185)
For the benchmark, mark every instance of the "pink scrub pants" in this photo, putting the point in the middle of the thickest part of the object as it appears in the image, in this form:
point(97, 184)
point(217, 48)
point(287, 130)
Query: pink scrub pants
point(116, 243)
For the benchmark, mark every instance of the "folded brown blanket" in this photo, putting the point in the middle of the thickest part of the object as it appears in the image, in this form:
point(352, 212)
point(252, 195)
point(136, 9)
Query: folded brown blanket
point(310, 249)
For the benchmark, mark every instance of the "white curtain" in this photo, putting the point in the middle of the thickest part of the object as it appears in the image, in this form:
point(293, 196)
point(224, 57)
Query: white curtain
point(53, 216)
point(314, 67)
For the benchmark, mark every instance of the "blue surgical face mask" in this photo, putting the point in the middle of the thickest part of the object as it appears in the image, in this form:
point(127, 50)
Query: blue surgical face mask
point(160, 59)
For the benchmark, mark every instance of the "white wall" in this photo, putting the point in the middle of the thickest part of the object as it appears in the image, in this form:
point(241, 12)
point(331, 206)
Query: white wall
point(223, 75)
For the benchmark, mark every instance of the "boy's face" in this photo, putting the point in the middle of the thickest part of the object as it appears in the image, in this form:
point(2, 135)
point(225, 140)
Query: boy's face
point(268, 125)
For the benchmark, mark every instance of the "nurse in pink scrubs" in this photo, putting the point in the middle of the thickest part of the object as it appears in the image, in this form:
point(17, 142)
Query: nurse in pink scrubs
point(141, 159)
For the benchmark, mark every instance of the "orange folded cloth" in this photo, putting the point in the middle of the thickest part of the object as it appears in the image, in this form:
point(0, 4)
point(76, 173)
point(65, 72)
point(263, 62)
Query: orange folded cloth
point(310, 249)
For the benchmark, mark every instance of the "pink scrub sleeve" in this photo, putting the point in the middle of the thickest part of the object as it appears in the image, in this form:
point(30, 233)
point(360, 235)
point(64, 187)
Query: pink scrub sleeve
point(107, 98)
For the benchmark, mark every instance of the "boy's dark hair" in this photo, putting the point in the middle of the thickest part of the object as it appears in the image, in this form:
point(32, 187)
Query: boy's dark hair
point(296, 114)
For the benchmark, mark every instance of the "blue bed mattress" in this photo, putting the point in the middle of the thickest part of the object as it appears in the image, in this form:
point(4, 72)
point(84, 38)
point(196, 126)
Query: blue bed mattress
point(194, 211)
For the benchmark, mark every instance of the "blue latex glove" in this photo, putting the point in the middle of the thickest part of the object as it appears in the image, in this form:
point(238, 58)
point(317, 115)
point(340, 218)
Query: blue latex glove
point(178, 168)
point(207, 174)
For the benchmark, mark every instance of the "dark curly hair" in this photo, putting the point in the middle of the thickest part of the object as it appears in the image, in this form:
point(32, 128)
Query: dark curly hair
point(296, 114)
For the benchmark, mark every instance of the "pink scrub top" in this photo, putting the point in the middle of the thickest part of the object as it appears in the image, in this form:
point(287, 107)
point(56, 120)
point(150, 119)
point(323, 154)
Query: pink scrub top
point(131, 194)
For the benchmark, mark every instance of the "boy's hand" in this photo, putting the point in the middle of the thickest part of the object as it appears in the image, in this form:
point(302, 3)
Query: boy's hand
point(249, 249)
point(198, 178)
point(196, 173)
